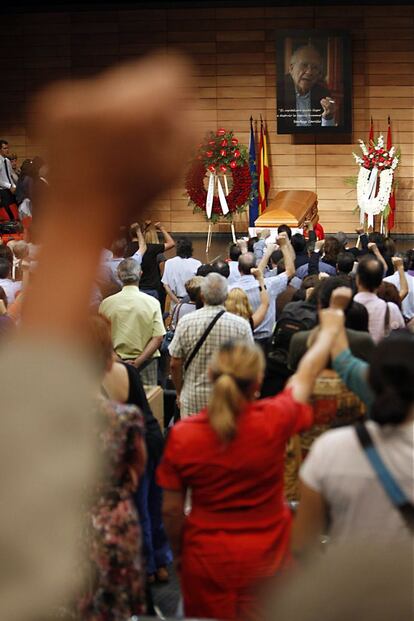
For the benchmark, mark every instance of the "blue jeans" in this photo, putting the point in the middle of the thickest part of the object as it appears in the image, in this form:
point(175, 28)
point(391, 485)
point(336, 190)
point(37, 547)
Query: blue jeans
point(148, 499)
point(152, 292)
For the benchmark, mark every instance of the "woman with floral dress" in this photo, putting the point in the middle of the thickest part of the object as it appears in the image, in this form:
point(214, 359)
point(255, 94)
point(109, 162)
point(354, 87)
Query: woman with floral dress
point(114, 589)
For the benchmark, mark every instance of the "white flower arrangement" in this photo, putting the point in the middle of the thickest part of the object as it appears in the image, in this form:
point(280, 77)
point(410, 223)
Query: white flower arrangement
point(375, 178)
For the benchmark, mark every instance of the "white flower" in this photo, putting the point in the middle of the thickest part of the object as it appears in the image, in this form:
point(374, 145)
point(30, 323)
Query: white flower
point(392, 151)
point(373, 205)
point(380, 142)
point(363, 147)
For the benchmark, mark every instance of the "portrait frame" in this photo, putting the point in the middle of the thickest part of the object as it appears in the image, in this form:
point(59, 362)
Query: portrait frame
point(299, 111)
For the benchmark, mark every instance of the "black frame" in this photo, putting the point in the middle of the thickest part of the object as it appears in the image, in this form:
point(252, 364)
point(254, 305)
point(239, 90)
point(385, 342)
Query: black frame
point(346, 126)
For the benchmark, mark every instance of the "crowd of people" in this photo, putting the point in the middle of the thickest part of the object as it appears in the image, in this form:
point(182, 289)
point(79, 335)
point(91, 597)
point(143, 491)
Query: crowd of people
point(242, 342)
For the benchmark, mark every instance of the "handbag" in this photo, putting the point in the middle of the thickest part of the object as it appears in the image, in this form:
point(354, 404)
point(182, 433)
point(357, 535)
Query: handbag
point(169, 334)
point(390, 485)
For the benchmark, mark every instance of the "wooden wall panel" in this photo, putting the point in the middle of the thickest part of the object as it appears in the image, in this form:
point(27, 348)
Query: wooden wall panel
point(233, 50)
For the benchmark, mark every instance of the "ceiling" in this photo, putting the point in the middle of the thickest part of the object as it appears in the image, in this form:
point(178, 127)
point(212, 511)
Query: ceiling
point(72, 5)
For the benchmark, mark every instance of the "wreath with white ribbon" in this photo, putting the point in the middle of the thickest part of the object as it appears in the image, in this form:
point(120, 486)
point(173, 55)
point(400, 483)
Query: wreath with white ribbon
point(218, 181)
point(375, 179)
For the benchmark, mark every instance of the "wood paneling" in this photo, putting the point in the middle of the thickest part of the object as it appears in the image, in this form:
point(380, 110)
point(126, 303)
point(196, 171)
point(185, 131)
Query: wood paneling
point(235, 76)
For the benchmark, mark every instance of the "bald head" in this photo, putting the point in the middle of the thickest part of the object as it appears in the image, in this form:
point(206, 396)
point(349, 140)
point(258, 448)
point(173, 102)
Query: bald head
point(306, 68)
point(246, 262)
point(369, 274)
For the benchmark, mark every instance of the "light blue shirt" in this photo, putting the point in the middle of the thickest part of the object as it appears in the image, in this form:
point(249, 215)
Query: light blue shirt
point(354, 374)
point(234, 275)
point(274, 285)
point(259, 249)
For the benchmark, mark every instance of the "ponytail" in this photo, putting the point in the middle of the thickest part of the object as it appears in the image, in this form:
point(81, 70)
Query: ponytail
point(235, 371)
point(226, 401)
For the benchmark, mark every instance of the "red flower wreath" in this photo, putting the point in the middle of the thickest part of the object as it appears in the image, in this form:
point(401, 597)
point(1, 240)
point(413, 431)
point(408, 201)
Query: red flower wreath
point(220, 153)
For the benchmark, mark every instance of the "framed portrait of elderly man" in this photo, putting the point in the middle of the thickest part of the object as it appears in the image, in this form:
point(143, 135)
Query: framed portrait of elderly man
point(314, 82)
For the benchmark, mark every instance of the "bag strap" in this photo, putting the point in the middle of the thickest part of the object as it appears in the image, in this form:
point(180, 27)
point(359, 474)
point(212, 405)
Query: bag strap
point(202, 339)
point(177, 309)
point(387, 320)
point(390, 485)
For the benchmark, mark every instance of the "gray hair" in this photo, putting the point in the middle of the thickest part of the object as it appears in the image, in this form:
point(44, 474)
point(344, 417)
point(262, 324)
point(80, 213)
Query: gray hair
point(309, 46)
point(214, 289)
point(129, 271)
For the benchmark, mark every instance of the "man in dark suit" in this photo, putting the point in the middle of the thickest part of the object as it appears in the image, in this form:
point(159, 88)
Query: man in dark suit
point(303, 98)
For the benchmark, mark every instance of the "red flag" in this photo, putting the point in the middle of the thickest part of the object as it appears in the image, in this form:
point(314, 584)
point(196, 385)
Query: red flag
point(263, 169)
point(371, 132)
point(392, 202)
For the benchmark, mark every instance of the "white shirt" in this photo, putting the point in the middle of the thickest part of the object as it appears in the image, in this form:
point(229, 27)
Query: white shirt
point(408, 301)
point(234, 275)
point(338, 469)
point(11, 288)
point(177, 272)
point(6, 179)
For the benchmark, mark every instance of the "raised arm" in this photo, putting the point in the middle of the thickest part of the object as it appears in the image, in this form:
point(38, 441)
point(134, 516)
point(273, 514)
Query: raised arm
point(352, 371)
point(142, 244)
point(263, 263)
point(288, 254)
point(76, 121)
point(260, 313)
point(44, 384)
point(168, 240)
point(372, 247)
point(398, 264)
point(242, 243)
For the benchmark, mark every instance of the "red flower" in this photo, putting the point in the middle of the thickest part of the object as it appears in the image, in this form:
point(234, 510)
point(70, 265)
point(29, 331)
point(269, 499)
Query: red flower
point(223, 152)
point(234, 141)
point(212, 143)
point(237, 153)
point(224, 143)
point(221, 132)
point(241, 188)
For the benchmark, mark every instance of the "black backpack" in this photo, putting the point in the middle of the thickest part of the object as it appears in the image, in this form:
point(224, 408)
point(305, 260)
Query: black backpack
point(295, 317)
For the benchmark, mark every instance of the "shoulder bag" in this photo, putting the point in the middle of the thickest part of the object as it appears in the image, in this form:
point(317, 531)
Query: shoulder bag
point(202, 339)
point(169, 334)
point(390, 485)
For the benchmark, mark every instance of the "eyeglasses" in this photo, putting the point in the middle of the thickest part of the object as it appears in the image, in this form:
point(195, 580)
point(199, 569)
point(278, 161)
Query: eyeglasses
point(312, 66)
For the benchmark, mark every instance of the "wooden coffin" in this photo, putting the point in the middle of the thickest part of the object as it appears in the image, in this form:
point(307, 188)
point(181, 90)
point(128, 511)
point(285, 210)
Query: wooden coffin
point(291, 207)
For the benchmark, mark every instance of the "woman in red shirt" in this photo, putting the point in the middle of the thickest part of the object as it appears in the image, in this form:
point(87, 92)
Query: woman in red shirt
point(231, 457)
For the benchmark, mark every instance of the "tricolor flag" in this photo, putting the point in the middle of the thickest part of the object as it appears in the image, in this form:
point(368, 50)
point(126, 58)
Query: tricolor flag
point(264, 175)
point(392, 202)
point(254, 203)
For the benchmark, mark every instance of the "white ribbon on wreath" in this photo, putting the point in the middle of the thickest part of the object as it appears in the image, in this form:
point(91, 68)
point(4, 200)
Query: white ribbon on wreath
point(213, 180)
point(370, 202)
